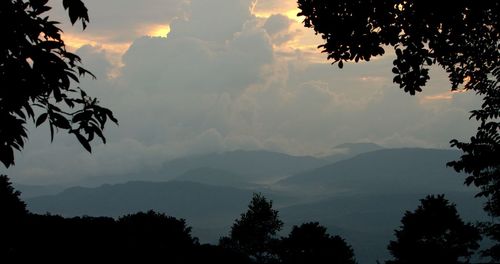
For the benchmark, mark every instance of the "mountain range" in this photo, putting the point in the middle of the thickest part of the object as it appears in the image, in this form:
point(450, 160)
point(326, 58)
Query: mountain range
point(250, 166)
point(361, 198)
point(383, 171)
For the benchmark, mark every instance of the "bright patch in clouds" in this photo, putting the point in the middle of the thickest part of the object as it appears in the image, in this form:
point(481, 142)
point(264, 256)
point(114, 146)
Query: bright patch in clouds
point(159, 31)
point(265, 8)
point(74, 42)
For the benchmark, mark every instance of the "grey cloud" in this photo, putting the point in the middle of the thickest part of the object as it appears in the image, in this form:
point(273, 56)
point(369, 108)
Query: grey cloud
point(278, 28)
point(277, 24)
point(95, 60)
point(188, 64)
point(196, 92)
point(214, 20)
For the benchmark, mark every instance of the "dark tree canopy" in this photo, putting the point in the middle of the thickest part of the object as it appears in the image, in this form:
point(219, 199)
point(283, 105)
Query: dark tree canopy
point(12, 214)
point(434, 233)
point(151, 231)
point(11, 205)
point(310, 243)
point(462, 37)
point(254, 233)
point(38, 77)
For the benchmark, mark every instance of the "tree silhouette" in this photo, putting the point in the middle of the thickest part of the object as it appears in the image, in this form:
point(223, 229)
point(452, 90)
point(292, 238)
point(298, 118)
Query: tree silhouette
point(12, 216)
point(216, 254)
point(254, 233)
point(142, 237)
point(152, 235)
point(462, 37)
point(434, 233)
point(310, 243)
point(481, 160)
point(10, 203)
point(38, 76)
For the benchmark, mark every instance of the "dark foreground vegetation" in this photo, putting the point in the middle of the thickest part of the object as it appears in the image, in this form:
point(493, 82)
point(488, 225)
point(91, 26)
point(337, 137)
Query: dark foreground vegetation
point(146, 237)
point(433, 233)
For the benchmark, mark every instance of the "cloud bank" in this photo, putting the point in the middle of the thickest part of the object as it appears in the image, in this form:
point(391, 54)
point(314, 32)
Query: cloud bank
point(227, 79)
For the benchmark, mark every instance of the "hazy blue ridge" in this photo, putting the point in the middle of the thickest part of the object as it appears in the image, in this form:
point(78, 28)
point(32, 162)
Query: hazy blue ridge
point(387, 170)
point(362, 198)
point(349, 150)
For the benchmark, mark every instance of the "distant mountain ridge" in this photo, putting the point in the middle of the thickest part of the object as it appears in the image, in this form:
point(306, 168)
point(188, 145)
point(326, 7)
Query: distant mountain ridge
point(119, 199)
point(211, 176)
point(349, 150)
point(386, 170)
point(362, 198)
point(256, 165)
point(30, 191)
point(252, 166)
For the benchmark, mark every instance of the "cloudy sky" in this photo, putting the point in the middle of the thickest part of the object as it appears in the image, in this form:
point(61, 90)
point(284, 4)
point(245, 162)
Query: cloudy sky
point(198, 76)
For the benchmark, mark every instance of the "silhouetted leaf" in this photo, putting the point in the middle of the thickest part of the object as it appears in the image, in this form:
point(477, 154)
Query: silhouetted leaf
point(60, 121)
point(83, 141)
point(76, 10)
point(41, 119)
point(100, 134)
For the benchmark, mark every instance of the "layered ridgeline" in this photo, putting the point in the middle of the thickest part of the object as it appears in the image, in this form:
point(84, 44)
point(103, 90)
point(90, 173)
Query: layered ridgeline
point(249, 166)
point(408, 170)
point(349, 150)
point(255, 166)
point(362, 198)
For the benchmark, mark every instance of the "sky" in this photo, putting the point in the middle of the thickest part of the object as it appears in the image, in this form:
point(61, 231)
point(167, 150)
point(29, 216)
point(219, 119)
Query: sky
point(189, 77)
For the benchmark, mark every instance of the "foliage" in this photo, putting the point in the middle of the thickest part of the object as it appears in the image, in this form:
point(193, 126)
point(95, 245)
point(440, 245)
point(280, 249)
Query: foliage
point(151, 230)
point(481, 160)
point(38, 76)
point(310, 243)
point(10, 203)
point(434, 233)
point(254, 233)
point(462, 37)
point(141, 238)
point(12, 214)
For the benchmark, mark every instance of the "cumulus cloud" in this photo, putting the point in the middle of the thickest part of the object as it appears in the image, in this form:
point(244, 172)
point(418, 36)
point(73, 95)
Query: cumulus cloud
point(219, 82)
point(214, 20)
point(278, 28)
point(97, 60)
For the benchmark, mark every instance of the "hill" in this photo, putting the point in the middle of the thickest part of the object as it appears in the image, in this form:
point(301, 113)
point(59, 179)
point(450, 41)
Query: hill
point(30, 191)
point(409, 170)
point(254, 166)
point(239, 166)
point(257, 166)
point(349, 150)
point(217, 177)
